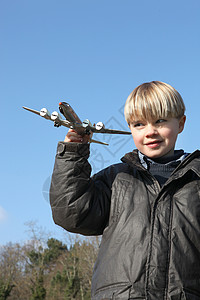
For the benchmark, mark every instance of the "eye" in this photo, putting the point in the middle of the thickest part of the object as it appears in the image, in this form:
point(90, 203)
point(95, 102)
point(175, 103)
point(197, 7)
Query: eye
point(160, 121)
point(138, 124)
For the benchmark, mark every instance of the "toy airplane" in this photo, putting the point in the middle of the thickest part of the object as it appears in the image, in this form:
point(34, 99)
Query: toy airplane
point(73, 121)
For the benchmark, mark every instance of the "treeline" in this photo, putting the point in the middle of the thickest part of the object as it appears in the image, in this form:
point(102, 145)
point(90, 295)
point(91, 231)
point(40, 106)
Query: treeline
point(47, 268)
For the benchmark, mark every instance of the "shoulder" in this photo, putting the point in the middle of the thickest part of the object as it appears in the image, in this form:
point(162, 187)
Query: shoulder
point(114, 173)
point(112, 170)
point(192, 162)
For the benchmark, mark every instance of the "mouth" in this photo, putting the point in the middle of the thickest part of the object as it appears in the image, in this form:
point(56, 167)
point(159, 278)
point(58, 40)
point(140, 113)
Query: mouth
point(153, 144)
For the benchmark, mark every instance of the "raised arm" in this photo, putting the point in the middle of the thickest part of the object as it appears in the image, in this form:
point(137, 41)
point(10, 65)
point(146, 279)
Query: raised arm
point(80, 204)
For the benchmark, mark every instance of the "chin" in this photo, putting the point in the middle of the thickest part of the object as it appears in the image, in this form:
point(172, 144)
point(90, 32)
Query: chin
point(154, 155)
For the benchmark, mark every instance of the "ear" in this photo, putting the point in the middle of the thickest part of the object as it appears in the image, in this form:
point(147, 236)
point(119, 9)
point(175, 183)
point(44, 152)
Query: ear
point(181, 123)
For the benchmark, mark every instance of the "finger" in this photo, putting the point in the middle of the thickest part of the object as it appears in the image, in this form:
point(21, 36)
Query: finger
point(73, 138)
point(86, 139)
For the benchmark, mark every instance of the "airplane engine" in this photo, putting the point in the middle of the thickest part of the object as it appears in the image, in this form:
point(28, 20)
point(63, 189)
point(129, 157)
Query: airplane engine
point(56, 117)
point(45, 113)
point(100, 126)
point(86, 123)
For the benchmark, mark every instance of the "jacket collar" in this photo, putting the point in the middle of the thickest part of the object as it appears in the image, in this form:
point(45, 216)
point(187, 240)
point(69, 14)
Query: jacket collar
point(132, 159)
point(191, 162)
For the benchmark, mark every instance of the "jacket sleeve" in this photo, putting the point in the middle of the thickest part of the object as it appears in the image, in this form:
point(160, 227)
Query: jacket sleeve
point(79, 203)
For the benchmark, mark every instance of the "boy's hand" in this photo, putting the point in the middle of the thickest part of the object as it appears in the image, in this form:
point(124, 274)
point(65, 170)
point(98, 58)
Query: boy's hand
point(73, 137)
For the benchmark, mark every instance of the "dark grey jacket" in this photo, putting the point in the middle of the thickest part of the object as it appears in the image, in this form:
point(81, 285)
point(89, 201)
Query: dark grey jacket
point(150, 246)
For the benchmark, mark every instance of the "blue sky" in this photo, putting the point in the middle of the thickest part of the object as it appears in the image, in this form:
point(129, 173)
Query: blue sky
point(91, 54)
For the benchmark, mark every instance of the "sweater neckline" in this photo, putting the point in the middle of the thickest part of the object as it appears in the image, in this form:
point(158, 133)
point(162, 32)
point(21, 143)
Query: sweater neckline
point(178, 157)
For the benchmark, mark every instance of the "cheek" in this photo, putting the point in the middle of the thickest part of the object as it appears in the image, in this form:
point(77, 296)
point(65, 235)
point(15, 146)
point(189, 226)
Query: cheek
point(137, 138)
point(169, 134)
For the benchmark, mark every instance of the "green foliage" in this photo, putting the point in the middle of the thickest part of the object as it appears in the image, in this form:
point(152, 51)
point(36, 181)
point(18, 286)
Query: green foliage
point(35, 257)
point(38, 291)
point(5, 289)
point(48, 255)
point(54, 250)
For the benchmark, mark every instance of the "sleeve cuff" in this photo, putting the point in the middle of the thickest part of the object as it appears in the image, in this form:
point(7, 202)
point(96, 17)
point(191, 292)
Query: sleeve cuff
point(82, 149)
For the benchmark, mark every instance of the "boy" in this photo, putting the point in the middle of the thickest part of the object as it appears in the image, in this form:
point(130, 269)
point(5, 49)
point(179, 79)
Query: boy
point(147, 208)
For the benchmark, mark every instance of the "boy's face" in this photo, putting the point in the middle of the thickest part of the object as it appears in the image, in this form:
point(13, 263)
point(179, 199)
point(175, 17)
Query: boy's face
point(156, 138)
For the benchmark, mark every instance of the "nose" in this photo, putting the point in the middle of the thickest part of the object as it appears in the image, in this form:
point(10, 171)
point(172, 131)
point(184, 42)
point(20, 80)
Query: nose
point(151, 130)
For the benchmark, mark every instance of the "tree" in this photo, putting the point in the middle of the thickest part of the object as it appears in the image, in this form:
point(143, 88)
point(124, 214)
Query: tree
point(38, 290)
point(72, 279)
point(10, 265)
point(45, 268)
point(5, 289)
point(41, 262)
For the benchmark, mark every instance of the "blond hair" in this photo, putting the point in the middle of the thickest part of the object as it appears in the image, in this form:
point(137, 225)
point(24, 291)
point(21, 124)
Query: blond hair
point(153, 100)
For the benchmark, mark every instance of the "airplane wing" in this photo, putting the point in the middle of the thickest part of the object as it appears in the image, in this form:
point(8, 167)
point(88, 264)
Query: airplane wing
point(110, 131)
point(32, 110)
point(100, 128)
point(57, 119)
